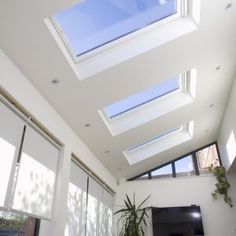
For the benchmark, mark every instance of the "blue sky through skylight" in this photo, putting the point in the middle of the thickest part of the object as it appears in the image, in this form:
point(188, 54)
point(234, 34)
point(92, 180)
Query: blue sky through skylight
point(93, 23)
point(143, 97)
point(155, 138)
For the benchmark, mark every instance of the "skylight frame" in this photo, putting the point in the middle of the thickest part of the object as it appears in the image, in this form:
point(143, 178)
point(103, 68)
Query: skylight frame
point(152, 147)
point(183, 87)
point(182, 10)
point(155, 138)
point(153, 109)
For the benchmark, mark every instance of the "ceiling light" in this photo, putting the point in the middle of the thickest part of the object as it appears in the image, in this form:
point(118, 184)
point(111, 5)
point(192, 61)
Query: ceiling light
point(107, 151)
point(87, 125)
point(207, 130)
point(211, 106)
point(218, 68)
point(228, 6)
point(55, 81)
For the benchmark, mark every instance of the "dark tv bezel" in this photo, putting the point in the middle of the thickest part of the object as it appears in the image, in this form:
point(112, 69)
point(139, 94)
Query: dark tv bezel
point(181, 207)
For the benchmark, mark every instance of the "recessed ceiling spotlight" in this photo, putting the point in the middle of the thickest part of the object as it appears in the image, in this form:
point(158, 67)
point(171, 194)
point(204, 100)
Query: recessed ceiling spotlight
point(211, 106)
point(119, 169)
point(206, 131)
point(107, 151)
point(87, 125)
point(55, 81)
point(228, 6)
point(218, 68)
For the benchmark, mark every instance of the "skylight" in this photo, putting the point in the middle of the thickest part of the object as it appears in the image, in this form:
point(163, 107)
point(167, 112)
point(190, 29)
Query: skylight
point(91, 24)
point(143, 97)
point(154, 139)
point(160, 143)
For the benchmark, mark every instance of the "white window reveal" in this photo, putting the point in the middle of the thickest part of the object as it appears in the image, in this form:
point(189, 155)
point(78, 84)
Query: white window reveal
point(151, 103)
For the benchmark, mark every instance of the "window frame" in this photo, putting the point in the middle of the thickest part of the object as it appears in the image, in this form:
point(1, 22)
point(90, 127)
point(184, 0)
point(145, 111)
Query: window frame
point(155, 108)
point(162, 176)
point(194, 159)
point(156, 138)
point(182, 10)
point(37, 221)
point(184, 84)
point(12, 182)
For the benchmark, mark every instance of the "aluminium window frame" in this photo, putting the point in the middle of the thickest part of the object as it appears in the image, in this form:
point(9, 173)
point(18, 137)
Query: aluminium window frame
point(182, 11)
point(194, 158)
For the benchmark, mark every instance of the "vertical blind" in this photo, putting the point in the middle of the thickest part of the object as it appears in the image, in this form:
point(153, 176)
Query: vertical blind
point(89, 206)
point(28, 167)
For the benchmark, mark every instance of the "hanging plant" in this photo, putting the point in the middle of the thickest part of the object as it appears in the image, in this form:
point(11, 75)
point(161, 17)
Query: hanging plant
point(222, 185)
point(134, 218)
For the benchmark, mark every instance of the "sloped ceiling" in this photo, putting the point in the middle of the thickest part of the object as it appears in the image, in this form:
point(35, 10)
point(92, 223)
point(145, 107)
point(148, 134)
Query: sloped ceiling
point(28, 42)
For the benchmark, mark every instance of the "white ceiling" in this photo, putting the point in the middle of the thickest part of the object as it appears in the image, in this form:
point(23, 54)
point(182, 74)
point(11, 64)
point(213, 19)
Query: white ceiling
point(28, 42)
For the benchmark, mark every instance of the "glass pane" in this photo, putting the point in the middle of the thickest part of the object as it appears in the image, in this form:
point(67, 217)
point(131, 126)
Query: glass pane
point(207, 157)
point(12, 224)
point(11, 130)
point(93, 23)
point(184, 167)
point(154, 138)
point(36, 175)
point(143, 97)
point(142, 177)
point(163, 172)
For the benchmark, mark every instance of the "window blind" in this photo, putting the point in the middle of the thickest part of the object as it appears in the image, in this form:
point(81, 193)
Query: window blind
point(76, 202)
point(11, 128)
point(89, 206)
point(93, 208)
point(34, 190)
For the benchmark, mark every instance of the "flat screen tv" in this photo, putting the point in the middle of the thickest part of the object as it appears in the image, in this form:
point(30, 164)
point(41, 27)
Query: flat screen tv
point(177, 221)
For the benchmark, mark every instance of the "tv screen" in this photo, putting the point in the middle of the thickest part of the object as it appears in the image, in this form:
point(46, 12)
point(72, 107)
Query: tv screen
point(177, 221)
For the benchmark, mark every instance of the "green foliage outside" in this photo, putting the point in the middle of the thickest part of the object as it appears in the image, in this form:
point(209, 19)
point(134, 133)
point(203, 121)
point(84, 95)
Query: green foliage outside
point(17, 223)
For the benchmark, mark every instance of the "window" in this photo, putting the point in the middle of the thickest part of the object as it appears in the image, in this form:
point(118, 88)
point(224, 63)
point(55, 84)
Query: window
point(36, 177)
point(163, 172)
point(11, 128)
point(89, 205)
point(206, 158)
point(91, 24)
point(154, 139)
point(194, 163)
point(149, 104)
point(28, 166)
point(184, 167)
point(162, 142)
point(144, 97)
point(12, 224)
point(143, 177)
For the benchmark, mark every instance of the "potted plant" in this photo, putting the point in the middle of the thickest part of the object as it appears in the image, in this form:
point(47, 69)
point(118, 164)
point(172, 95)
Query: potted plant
point(134, 219)
point(222, 185)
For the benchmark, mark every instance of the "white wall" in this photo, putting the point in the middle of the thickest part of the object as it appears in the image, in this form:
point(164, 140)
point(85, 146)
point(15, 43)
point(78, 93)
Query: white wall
point(218, 218)
point(19, 87)
point(227, 135)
